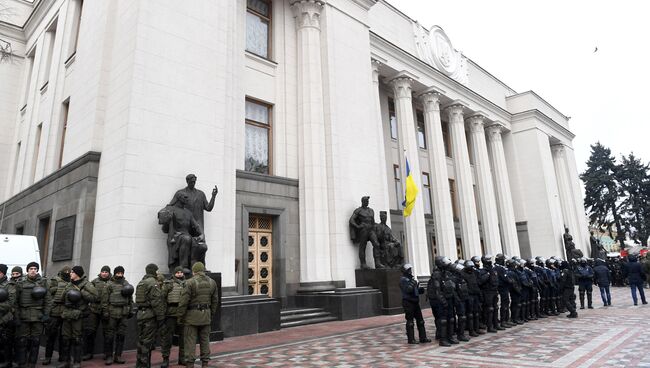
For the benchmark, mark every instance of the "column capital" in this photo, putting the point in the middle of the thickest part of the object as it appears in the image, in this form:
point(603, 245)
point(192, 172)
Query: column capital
point(402, 84)
point(455, 109)
point(430, 98)
point(494, 132)
point(375, 64)
point(558, 149)
point(476, 121)
point(307, 13)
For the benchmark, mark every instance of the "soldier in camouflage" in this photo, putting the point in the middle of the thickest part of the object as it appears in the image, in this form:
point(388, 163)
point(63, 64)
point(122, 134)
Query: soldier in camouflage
point(151, 314)
point(117, 303)
point(78, 293)
point(94, 319)
point(7, 309)
point(171, 295)
point(33, 305)
point(56, 286)
point(12, 326)
point(199, 302)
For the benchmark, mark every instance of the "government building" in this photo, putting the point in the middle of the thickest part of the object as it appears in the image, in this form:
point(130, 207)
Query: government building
point(295, 109)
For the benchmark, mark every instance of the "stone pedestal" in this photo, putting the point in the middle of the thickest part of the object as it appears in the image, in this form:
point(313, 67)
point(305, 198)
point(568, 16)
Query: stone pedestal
point(387, 281)
point(249, 314)
point(216, 332)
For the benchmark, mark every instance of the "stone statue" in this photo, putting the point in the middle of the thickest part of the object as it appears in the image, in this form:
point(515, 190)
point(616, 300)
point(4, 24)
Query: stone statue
point(185, 240)
point(390, 249)
point(570, 246)
point(182, 220)
point(597, 249)
point(362, 230)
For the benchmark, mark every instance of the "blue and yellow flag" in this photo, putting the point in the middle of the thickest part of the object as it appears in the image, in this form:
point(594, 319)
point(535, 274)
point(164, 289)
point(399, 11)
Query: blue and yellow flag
point(411, 191)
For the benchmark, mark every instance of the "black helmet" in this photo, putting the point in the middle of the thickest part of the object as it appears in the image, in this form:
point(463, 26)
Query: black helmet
point(500, 259)
point(458, 267)
point(541, 261)
point(407, 269)
point(564, 264)
point(469, 265)
point(583, 261)
point(4, 295)
point(511, 263)
point(127, 290)
point(487, 259)
point(188, 273)
point(73, 296)
point(38, 292)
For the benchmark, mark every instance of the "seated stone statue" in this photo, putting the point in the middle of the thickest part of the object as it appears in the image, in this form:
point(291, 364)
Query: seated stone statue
point(185, 240)
point(390, 249)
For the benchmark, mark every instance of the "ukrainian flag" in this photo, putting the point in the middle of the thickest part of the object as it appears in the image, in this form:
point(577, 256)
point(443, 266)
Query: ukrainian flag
point(411, 191)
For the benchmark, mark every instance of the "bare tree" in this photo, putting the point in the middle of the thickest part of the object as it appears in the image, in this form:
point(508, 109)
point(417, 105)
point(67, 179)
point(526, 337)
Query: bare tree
point(6, 52)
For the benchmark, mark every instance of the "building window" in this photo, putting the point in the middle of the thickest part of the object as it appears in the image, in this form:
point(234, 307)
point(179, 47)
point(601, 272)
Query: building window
point(50, 37)
point(258, 136)
point(446, 139)
point(37, 147)
point(14, 179)
point(392, 118)
point(452, 193)
point(459, 249)
point(30, 70)
point(77, 6)
point(434, 246)
point(426, 193)
point(422, 140)
point(258, 22)
point(64, 127)
point(398, 186)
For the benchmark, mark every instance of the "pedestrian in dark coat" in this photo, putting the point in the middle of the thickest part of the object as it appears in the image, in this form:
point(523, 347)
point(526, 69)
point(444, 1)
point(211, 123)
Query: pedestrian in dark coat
point(603, 278)
point(635, 275)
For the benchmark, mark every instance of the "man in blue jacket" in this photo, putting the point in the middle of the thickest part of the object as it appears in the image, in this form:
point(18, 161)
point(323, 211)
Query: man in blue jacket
point(603, 277)
point(635, 276)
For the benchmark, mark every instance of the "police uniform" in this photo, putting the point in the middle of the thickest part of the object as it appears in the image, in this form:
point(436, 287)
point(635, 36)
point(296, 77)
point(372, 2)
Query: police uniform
point(568, 293)
point(151, 312)
point(171, 295)
point(94, 319)
point(199, 302)
point(33, 308)
point(7, 309)
point(411, 303)
point(438, 302)
point(56, 286)
point(489, 283)
point(75, 307)
point(585, 283)
point(116, 308)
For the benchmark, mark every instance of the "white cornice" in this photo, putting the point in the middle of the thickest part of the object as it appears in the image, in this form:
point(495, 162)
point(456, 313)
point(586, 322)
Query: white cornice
point(41, 8)
point(365, 4)
point(539, 98)
point(11, 31)
point(545, 119)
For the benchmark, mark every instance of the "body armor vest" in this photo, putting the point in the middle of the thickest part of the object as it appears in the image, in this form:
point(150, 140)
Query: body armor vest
point(174, 295)
point(26, 299)
point(116, 298)
point(58, 292)
point(203, 291)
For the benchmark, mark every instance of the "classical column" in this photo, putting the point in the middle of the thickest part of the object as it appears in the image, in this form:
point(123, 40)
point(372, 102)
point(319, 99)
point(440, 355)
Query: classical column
point(502, 187)
point(565, 191)
point(443, 214)
point(314, 214)
point(416, 234)
point(484, 185)
point(468, 220)
point(380, 132)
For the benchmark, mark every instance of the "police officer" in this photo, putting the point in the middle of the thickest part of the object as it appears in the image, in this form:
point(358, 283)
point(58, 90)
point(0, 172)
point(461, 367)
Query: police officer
point(559, 300)
point(7, 309)
point(472, 305)
point(78, 293)
point(117, 303)
point(554, 286)
point(489, 284)
point(451, 296)
point(171, 295)
point(411, 303)
point(543, 283)
point(568, 292)
point(462, 291)
point(526, 289)
point(199, 302)
point(514, 289)
point(56, 286)
point(438, 303)
point(585, 282)
point(504, 291)
point(94, 319)
point(33, 305)
point(533, 300)
point(12, 326)
point(151, 314)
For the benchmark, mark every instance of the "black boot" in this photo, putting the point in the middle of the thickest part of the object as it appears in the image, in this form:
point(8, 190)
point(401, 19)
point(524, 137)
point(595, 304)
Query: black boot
point(89, 345)
point(471, 329)
point(422, 332)
point(410, 333)
point(108, 350)
point(450, 332)
point(64, 354)
point(589, 301)
point(460, 331)
point(582, 299)
point(119, 346)
point(441, 332)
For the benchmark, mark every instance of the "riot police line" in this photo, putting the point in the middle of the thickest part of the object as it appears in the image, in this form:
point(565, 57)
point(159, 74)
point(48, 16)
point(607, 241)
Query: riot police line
point(68, 310)
point(488, 294)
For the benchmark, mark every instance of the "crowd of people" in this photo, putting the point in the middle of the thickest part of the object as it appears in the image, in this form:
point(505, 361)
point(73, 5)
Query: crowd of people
point(69, 308)
point(469, 298)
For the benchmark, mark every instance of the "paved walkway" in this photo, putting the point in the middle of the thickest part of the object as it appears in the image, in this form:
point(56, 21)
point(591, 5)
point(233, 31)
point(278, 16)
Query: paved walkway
point(615, 336)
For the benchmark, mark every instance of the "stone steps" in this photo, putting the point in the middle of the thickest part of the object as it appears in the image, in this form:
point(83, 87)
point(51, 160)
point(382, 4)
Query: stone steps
point(304, 316)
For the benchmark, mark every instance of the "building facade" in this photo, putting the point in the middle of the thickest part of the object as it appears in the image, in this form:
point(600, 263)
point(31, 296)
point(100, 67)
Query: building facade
point(295, 109)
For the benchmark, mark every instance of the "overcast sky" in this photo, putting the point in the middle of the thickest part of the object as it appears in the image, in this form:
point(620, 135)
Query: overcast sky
point(548, 47)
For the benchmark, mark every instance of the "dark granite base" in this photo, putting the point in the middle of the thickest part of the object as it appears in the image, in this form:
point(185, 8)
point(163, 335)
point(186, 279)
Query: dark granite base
point(344, 304)
point(387, 281)
point(249, 314)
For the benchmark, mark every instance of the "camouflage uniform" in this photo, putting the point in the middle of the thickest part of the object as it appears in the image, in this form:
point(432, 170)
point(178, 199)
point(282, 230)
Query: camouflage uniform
point(7, 309)
point(73, 314)
point(32, 313)
point(151, 312)
point(171, 295)
point(116, 308)
point(94, 319)
point(56, 286)
point(199, 302)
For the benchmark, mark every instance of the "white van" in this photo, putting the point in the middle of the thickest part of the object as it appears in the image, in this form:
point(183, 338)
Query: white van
point(19, 250)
